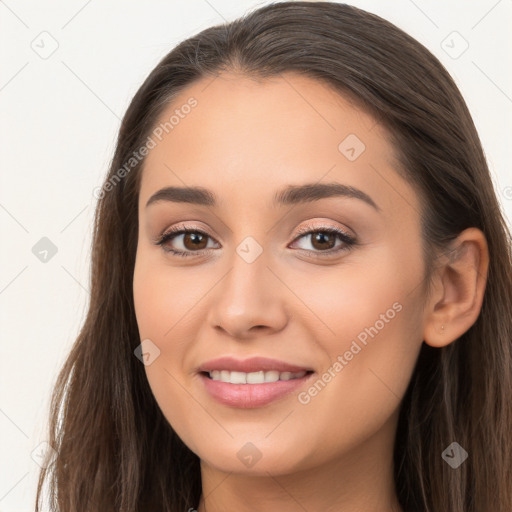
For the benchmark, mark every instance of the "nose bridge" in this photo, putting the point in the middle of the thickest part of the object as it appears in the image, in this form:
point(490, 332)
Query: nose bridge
point(247, 283)
point(249, 294)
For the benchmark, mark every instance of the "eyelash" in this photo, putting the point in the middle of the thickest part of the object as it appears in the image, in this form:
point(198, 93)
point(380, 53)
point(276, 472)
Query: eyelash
point(173, 232)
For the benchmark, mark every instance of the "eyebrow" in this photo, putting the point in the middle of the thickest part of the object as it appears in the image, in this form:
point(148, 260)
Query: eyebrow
point(292, 194)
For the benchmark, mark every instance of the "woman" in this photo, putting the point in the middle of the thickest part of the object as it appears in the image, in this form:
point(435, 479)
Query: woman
point(301, 285)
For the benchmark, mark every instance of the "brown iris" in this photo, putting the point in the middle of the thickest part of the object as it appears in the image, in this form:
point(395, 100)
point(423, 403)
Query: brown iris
point(321, 238)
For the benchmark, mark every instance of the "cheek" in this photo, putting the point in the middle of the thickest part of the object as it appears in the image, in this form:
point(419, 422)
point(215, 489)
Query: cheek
point(343, 301)
point(151, 304)
point(163, 297)
point(368, 318)
point(370, 330)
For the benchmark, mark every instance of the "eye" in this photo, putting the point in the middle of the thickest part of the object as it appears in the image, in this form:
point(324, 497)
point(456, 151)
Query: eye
point(322, 240)
point(192, 240)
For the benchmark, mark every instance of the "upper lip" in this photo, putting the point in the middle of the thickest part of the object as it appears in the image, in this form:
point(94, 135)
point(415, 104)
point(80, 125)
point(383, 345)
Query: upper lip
point(252, 364)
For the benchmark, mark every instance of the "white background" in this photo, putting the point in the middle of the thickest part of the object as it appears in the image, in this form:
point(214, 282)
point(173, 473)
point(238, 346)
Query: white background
point(60, 117)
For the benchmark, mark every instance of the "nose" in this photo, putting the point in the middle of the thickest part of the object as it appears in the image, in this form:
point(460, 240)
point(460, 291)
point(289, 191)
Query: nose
point(249, 300)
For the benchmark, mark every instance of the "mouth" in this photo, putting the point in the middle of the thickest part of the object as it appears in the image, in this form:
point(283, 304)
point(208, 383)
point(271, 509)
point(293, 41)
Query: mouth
point(251, 382)
point(244, 390)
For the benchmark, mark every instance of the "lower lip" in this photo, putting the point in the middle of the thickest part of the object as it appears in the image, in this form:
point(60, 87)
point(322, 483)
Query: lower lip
point(251, 395)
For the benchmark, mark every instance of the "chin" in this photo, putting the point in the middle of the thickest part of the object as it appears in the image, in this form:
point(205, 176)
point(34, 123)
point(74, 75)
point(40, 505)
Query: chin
point(258, 458)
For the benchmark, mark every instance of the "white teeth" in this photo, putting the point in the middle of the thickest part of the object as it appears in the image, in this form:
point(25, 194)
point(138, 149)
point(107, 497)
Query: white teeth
point(271, 376)
point(238, 378)
point(253, 377)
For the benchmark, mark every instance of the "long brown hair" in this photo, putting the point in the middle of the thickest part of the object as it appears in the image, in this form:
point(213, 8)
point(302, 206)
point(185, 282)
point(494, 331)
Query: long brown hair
point(115, 449)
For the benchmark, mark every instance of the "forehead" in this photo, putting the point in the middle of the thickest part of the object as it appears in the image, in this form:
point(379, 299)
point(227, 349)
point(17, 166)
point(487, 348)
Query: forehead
point(261, 135)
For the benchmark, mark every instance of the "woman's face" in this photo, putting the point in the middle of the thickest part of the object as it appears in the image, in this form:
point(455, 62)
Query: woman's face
point(282, 164)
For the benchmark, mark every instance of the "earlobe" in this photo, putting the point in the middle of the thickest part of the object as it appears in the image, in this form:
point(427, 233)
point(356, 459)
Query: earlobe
point(459, 290)
point(438, 335)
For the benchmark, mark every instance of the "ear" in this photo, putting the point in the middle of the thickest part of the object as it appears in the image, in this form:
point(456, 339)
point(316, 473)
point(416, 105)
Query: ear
point(458, 290)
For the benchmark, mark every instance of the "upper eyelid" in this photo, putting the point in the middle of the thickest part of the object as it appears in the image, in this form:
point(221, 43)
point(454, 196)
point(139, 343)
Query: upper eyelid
point(180, 230)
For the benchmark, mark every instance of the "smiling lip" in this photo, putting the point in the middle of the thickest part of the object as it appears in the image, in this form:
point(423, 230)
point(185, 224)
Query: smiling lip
point(251, 395)
point(252, 364)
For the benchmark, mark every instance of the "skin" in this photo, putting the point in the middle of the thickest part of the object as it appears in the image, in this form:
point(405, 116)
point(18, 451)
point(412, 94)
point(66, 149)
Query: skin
point(245, 140)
